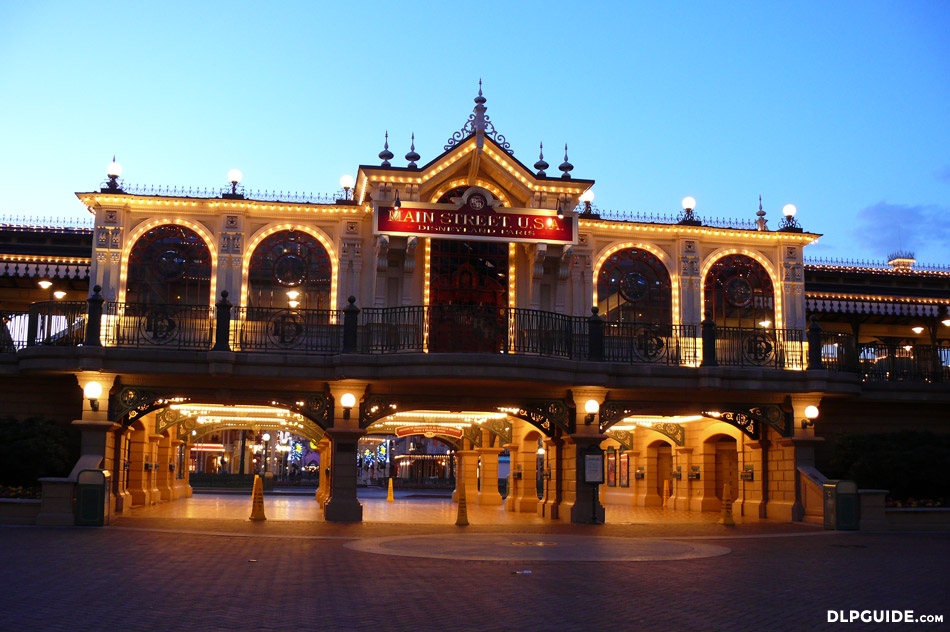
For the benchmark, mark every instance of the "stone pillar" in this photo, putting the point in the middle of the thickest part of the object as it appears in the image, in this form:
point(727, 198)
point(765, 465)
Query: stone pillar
point(753, 496)
point(323, 486)
point(549, 505)
point(488, 493)
point(467, 474)
point(138, 480)
point(647, 494)
point(682, 459)
point(164, 474)
point(342, 504)
point(154, 495)
point(120, 475)
point(580, 499)
point(523, 480)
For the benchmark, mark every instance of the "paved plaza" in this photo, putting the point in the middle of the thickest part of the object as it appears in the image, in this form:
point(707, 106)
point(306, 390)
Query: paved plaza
point(200, 564)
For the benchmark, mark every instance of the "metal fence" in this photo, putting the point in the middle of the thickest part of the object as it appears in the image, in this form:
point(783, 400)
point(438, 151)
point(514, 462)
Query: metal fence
point(773, 348)
point(462, 329)
point(159, 326)
point(896, 363)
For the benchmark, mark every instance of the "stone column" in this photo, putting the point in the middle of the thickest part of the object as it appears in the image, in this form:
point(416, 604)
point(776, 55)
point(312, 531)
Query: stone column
point(154, 495)
point(488, 493)
point(323, 486)
point(548, 506)
point(164, 474)
point(681, 486)
point(342, 504)
point(467, 474)
point(580, 499)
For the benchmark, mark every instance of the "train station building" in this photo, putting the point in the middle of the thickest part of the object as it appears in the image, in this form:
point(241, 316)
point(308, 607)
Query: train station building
point(479, 309)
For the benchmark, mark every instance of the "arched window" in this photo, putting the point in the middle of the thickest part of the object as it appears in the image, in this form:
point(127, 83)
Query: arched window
point(290, 266)
point(739, 292)
point(634, 287)
point(169, 264)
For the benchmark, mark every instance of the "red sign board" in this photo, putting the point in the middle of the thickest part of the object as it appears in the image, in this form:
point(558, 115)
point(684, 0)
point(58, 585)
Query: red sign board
point(448, 221)
point(429, 430)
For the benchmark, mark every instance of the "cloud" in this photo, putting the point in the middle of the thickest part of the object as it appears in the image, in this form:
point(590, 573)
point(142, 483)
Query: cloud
point(943, 174)
point(922, 229)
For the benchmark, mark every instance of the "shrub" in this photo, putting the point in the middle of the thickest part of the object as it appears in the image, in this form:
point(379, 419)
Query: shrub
point(35, 448)
point(909, 464)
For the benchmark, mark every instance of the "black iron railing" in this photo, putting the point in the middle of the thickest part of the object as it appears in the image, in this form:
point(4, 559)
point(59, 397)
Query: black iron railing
point(159, 326)
point(287, 330)
point(461, 329)
point(60, 323)
point(773, 348)
point(897, 363)
point(674, 345)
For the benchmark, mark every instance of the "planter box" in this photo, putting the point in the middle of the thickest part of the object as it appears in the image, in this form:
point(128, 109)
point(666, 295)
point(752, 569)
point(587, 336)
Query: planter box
point(19, 510)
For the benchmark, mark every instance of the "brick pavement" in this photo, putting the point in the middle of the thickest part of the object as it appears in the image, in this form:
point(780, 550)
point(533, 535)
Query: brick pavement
point(149, 572)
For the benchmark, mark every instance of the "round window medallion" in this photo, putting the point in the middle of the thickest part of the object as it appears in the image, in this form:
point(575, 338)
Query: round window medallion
point(634, 286)
point(738, 292)
point(290, 270)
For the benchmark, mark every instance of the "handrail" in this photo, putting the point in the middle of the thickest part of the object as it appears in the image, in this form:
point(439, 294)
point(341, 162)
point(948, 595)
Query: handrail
point(462, 329)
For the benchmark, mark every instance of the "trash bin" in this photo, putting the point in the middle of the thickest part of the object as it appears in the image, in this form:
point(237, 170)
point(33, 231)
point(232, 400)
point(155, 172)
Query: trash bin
point(841, 505)
point(92, 498)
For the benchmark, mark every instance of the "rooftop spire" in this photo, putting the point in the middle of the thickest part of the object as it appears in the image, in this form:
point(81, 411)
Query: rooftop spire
point(480, 125)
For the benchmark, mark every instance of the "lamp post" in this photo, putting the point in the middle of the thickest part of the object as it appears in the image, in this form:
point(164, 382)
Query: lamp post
point(46, 284)
point(789, 224)
point(266, 438)
point(346, 183)
point(587, 197)
point(687, 218)
point(234, 177)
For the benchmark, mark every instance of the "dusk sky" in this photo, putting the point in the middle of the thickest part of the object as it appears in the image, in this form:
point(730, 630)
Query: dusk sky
point(841, 108)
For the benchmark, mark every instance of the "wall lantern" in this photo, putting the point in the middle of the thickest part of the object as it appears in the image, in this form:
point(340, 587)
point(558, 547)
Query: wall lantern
point(347, 401)
point(591, 407)
point(811, 413)
point(92, 391)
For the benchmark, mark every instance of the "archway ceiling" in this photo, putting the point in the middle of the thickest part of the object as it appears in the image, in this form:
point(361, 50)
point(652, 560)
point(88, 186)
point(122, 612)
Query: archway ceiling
point(205, 418)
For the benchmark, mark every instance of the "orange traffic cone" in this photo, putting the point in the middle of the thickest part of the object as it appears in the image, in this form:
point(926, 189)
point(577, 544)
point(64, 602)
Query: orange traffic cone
point(257, 494)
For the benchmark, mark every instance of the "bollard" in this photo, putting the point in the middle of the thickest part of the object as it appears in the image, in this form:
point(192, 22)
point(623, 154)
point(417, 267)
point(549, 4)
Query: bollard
point(257, 494)
point(726, 518)
point(389, 494)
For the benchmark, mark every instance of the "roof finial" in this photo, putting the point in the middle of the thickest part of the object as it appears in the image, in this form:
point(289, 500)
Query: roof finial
point(541, 165)
point(760, 223)
point(385, 155)
point(412, 156)
point(566, 167)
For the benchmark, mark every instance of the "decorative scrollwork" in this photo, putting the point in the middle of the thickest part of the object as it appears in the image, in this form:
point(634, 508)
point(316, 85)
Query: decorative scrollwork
point(474, 434)
point(623, 437)
point(159, 326)
point(676, 432)
point(613, 411)
point(758, 348)
point(374, 408)
point(285, 329)
point(546, 415)
point(499, 427)
point(648, 345)
point(133, 402)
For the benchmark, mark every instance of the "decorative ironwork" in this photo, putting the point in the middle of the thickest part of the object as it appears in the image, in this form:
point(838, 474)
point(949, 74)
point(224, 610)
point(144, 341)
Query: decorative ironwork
point(623, 437)
point(749, 418)
point(374, 408)
point(477, 122)
point(758, 348)
point(613, 411)
point(168, 417)
point(675, 432)
point(133, 402)
point(500, 428)
point(474, 434)
point(316, 407)
point(258, 195)
point(545, 414)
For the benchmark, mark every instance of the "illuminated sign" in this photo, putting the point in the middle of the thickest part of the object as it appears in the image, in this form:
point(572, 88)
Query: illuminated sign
point(429, 430)
point(449, 221)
